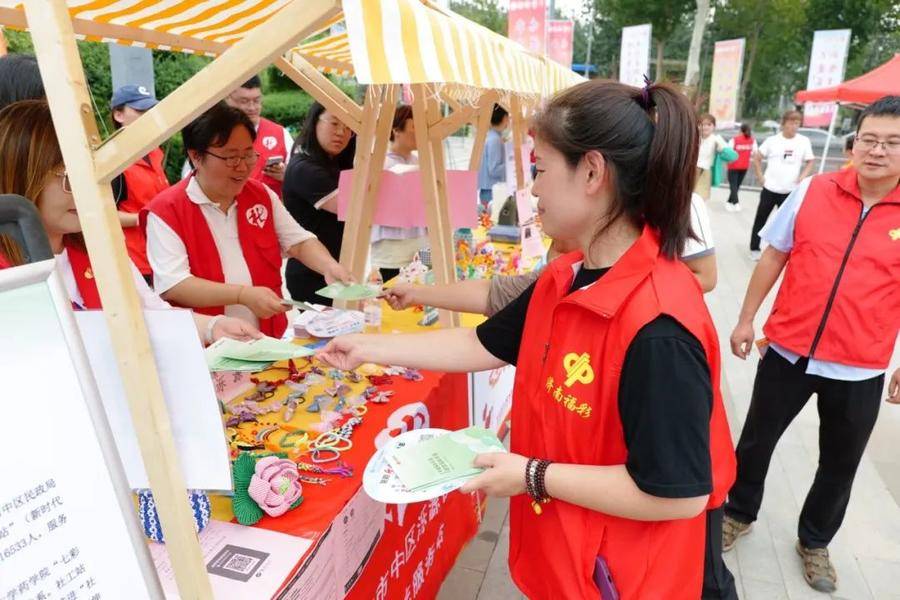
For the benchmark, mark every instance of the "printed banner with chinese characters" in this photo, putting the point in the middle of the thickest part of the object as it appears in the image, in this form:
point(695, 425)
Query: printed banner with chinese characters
point(728, 62)
point(528, 23)
point(634, 58)
point(826, 69)
point(560, 36)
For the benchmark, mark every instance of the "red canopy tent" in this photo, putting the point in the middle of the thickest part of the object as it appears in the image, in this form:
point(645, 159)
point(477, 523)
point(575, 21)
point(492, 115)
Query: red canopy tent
point(865, 89)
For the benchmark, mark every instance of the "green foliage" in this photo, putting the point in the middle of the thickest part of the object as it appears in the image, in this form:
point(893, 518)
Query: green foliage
point(488, 13)
point(288, 109)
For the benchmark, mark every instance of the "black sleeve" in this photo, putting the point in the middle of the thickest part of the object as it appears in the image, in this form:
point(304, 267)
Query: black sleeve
point(119, 189)
point(307, 181)
point(665, 403)
point(501, 334)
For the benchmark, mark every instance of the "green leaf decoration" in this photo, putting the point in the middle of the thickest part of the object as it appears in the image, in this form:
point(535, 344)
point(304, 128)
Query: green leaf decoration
point(246, 510)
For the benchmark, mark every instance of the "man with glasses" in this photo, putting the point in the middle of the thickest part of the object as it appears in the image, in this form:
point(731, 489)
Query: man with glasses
point(831, 332)
point(273, 142)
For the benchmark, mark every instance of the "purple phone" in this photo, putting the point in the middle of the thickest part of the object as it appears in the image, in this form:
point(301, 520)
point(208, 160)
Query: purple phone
point(603, 579)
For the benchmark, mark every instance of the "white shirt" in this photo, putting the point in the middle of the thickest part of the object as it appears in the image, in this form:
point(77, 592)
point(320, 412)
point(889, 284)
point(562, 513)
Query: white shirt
point(288, 147)
point(700, 224)
point(168, 256)
point(149, 299)
point(779, 233)
point(784, 161)
point(709, 147)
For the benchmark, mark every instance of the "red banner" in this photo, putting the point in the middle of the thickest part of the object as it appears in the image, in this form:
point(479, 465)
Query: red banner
point(528, 24)
point(560, 40)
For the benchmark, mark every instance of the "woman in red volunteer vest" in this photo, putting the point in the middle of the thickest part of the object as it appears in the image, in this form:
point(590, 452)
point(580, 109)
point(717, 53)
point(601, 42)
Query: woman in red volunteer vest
point(140, 182)
point(831, 332)
point(745, 146)
point(32, 167)
point(216, 239)
point(619, 441)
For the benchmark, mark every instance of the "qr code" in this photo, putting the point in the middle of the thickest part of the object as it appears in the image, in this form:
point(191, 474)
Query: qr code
point(242, 564)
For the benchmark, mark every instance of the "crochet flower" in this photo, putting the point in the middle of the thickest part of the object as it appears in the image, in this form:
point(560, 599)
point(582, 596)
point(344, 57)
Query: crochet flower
point(275, 486)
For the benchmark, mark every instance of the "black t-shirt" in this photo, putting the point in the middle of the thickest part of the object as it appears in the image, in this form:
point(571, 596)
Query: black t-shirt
point(665, 396)
point(306, 181)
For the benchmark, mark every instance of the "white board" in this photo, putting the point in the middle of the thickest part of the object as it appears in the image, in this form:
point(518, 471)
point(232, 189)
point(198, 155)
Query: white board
point(67, 523)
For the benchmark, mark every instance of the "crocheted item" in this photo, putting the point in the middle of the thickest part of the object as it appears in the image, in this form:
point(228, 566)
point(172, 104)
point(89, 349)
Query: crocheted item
point(247, 510)
point(150, 518)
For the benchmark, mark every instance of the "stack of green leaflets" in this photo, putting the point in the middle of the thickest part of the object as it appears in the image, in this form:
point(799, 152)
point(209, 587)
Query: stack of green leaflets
point(443, 459)
point(255, 355)
point(342, 291)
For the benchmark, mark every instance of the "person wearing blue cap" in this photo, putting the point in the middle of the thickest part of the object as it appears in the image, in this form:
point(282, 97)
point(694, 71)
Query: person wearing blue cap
point(140, 182)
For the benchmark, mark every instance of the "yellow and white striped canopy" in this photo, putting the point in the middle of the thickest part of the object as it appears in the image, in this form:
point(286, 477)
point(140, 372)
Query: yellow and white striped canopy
point(386, 41)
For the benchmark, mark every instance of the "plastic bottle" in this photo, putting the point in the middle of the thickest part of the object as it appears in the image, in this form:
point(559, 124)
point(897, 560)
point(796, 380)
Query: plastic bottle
point(372, 306)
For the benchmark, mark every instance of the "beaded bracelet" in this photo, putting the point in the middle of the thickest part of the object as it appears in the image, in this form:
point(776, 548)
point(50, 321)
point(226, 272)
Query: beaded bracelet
point(535, 471)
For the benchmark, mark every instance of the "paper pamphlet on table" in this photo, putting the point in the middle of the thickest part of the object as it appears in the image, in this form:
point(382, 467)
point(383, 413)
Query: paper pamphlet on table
point(263, 350)
point(189, 395)
point(341, 554)
point(243, 562)
point(400, 201)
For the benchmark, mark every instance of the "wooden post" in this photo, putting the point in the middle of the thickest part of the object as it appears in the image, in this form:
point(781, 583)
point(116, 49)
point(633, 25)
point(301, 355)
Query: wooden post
point(482, 125)
point(434, 188)
point(236, 65)
point(67, 94)
point(322, 89)
point(517, 122)
point(371, 148)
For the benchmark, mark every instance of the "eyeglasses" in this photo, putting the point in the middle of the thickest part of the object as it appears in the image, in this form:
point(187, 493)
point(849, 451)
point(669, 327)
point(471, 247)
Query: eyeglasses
point(233, 161)
point(868, 144)
point(66, 186)
point(340, 127)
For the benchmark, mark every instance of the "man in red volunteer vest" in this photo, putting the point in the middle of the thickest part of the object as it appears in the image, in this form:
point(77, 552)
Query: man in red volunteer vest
point(273, 142)
point(216, 239)
point(140, 182)
point(831, 332)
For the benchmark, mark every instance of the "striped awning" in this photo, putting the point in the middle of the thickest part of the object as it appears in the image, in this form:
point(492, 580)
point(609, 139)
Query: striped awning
point(385, 41)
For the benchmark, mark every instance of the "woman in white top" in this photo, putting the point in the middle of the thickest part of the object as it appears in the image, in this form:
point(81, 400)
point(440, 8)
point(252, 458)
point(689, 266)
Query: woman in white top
point(711, 143)
point(32, 167)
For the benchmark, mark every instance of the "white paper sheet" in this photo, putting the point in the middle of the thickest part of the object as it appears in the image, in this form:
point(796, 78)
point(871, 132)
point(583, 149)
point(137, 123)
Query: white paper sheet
point(193, 408)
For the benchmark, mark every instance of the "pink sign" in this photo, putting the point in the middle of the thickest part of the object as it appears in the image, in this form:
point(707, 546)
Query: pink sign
point(826, 69)
point(400, 201)
point(560, 36)
point(728, 62)
point(527, 24)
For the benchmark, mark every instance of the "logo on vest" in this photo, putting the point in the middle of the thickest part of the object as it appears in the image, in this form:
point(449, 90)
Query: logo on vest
point(895, 234)
point(578, 368)
point(257, 215)
point(269, 142)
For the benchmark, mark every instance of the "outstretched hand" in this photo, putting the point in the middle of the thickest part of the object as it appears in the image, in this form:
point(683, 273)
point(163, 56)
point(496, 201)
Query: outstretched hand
point(345, 352)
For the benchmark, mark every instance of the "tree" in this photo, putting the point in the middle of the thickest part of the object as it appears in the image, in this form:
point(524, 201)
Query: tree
point(488, 13)
point(692, 73)
point(666, 16)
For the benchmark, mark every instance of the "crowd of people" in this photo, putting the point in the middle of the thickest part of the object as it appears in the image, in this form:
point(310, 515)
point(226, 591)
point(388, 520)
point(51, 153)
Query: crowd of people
point(621, 467)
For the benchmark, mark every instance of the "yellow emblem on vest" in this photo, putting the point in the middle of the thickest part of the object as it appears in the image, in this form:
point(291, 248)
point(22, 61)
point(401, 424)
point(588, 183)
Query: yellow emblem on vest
point(88, 274)
point(578, 368)
point(895, 234)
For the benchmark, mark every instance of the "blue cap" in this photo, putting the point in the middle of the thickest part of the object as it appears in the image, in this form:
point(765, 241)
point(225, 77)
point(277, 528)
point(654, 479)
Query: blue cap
point(137, 97)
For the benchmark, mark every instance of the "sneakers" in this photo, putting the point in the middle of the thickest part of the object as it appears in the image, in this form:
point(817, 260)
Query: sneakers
point(732, 207)
point(732, 529)
point(754, 255)
point(817, 568)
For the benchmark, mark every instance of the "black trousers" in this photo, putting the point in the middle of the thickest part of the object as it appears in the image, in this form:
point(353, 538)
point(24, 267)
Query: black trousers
point(388, 274)
point(735, 179)
point(718, 582)
point(847, 414)
point(767, 203)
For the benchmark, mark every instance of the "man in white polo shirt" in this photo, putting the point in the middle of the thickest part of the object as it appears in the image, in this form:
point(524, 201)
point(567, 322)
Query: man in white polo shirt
point(789, 160)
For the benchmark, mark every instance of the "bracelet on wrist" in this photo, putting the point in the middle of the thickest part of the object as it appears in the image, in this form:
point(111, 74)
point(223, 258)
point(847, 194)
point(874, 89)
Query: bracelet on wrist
point(210, 326)
point(535, 472)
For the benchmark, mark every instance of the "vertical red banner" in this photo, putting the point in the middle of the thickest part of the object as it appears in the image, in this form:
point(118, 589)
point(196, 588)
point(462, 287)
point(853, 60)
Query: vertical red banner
point(560, 41)
point(528, 24)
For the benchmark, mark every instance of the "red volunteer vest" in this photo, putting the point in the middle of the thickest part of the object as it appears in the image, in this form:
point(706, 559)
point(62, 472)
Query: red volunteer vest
point(84, 277)
point(566, 410)
point(840, 297)
point(144, 180)
point(743, 145)
point(269, 142)
point(256, 234)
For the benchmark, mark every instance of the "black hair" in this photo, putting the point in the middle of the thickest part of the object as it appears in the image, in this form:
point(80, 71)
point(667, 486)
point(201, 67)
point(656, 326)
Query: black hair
point(403, 114)
point(886, 106)
point(707, 117)
point(497, 115)
point(745, 129)
point(252, 83)
point(20, 79)
point(848, 143)
point(214, 127)
point(308, 143)
point(649, 140)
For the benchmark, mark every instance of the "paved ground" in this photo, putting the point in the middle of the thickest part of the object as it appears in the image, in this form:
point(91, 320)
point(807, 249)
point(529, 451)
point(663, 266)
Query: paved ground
point(866, 551)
